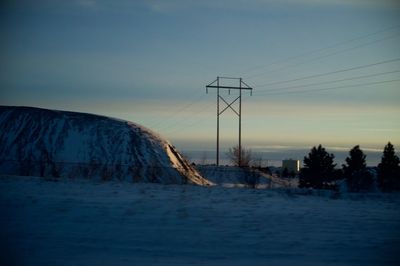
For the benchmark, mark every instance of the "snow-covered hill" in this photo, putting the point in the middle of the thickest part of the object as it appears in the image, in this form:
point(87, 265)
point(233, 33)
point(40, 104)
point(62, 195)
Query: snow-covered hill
point(45, 142)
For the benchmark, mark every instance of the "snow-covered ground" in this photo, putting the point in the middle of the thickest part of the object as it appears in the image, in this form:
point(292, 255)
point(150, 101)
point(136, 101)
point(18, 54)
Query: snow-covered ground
point(231, 176)
point(83, 222)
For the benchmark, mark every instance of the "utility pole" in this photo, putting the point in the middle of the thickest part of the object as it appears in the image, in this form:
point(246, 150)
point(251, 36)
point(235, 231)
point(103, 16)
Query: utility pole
point(216, 84)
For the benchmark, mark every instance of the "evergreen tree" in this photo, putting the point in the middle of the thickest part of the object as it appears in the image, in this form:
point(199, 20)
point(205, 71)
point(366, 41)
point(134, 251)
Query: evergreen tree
point(389, 170)
point(318, 169)
point(285, 172)
point(355, 172)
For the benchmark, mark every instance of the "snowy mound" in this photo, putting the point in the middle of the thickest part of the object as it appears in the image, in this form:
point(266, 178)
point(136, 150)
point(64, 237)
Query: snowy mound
point(67, 144)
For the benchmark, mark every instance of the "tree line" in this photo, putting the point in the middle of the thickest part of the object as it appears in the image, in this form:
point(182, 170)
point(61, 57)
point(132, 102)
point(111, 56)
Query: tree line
point(320, 171)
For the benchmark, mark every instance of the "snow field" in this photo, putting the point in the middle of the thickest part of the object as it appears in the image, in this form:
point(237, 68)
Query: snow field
point(82, 222)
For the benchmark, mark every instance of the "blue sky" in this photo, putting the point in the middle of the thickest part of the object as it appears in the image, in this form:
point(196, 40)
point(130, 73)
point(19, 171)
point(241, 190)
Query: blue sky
point(149, 62)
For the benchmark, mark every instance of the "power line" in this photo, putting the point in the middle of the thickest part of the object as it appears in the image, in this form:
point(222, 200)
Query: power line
point(184, 127)
point(329, 73)
point(334, 88)
point(167, 126)
point(176, 129)
point(270, 92)
point(176, 112)
point(323, 49)
point(181, 120)
point(324, 56)
point(330, 81)
point(190, 104)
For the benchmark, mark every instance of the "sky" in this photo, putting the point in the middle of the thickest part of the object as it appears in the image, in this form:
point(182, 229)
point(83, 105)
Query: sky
point(323, 71)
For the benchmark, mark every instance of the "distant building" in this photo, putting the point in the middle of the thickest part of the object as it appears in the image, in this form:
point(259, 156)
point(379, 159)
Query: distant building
point(292, 166)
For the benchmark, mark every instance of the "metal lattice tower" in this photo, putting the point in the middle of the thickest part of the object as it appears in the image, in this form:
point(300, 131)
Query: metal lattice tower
point(216, 84)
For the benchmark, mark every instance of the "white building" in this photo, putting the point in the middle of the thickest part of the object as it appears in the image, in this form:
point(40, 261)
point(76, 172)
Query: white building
point(291, 165)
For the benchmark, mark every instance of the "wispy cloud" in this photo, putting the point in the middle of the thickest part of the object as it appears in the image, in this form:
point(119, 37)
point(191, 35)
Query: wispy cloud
point(163, 6)
point(170, 6)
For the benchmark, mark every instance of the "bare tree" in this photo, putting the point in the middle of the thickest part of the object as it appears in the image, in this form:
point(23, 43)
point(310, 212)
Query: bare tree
point(242, 161)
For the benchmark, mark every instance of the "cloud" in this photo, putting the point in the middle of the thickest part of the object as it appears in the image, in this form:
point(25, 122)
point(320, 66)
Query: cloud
point(162, 6)
point(171, 6)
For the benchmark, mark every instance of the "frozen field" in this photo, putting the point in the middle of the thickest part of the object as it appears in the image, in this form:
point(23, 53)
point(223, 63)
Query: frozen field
point(75, 222)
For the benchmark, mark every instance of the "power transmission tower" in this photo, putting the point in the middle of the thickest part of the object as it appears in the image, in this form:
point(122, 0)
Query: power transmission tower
point(216, 84)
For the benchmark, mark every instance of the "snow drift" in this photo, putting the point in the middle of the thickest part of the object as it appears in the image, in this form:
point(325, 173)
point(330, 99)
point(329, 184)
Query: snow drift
point(53, 143)
point(231, 176)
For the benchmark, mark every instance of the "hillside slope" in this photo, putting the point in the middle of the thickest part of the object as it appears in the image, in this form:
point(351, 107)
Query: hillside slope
point(45, 142)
